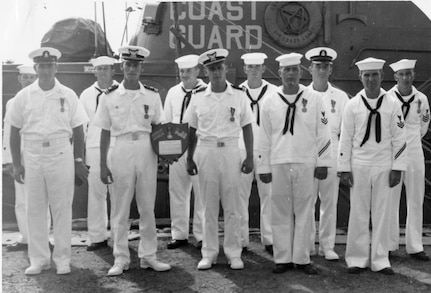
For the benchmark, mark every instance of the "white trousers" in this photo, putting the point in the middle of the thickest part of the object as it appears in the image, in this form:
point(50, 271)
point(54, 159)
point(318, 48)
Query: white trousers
point(292, 201)
point(414, 180)
point(219, 172)
point(264, 190)
point(370, 193)
point(180, 186)
point(97, 211)
point(21, 213)
point(327, 191)
point(134, 168)
point(49, 179)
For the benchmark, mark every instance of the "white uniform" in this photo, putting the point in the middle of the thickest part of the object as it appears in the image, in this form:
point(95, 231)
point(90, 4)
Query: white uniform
point(417, 122)
point(180, 182)
point(334, 101)
point(370, 165)
point(292, 159)
point(97, 214)
point(218, 119)
point(256, 97)
point(46, 120)
point(129, 115)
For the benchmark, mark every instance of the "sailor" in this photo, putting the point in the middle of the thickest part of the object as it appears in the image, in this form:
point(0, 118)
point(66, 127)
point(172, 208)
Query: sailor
point(257, 89)
point(47, 115)
point(180, 182)
point(216, 116)
point(97, 219)
point(127, 114)
point(294, 146)
point(26, 76)
point(334, 100)
point(416, 111)
point(371, 157)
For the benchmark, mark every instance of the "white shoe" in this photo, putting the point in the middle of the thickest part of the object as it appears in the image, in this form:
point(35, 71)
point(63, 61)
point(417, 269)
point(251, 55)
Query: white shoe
point(63, 270)
point(205, 263)
point(236, 263)
point(117, 269)
point(331, 255)
point(154, 264)
point(35, 270)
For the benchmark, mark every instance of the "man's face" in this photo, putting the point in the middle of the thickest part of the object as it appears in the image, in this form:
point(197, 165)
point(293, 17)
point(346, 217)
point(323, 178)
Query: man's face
point(131, 70)
point(404, 77)
point(321, 70)
point(46, 71)
point(189, 75)
point(371, 79)
point(254, 71)
point(290, 75)
point(216, 72)
point(26, 79)
point(104, 73)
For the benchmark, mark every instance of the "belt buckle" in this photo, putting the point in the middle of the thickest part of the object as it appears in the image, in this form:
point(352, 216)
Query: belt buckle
point(220, 144)
point(135, 136)
point(45, 144)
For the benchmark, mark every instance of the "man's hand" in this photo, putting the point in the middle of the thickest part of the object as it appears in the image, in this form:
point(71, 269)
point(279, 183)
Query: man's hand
point(394, 178)
point(81, 171)
point(106, 175)
point(346, 178)
point(192, 169)
point(266, 177)
point(321, 173)
point(19, 173)
point(247, 166)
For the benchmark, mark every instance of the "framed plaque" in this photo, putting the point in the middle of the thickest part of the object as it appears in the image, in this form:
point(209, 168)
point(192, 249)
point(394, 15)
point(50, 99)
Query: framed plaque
point(170, 140)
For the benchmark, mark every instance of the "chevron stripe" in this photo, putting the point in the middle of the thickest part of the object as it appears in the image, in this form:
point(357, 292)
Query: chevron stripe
point(400, 151)
point(325, 148)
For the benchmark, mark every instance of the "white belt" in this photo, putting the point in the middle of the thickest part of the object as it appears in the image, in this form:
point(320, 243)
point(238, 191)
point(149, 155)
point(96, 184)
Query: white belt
point(47, 142)
point(219, 143)
point(133, 136)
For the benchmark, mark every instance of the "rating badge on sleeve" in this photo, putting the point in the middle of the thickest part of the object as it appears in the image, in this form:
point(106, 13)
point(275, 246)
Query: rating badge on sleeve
point(324, 119)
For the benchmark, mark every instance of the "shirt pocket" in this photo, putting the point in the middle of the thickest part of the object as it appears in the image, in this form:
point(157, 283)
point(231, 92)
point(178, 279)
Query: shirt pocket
point(117, 114)
point(205, 116)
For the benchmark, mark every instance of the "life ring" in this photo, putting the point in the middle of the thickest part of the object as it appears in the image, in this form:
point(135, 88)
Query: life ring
point(293, 24)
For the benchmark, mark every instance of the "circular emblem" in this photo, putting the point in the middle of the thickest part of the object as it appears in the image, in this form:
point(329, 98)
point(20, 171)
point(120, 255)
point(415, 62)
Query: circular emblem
point(293, 24)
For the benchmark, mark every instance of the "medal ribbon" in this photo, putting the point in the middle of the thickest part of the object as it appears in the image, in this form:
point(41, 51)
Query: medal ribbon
point(293, 107)
point(378, 120)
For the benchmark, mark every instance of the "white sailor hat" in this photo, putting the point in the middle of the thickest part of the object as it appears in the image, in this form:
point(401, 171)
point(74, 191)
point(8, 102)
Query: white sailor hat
point(26, 69)
point(102, 60)
point(187, 61)
point(254, 58)
point(133, 53)
point(370, 64)
point(213, 56)
point(403, 64)
point(289, 59)
point(321, 54)
point(45, 55)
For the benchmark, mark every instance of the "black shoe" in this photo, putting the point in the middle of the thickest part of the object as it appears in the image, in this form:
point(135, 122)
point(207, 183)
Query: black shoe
point(282, 267)
point(97, 245)
point(355, 270)
point(269, 249)
point(177, 243)
point(387, 271)
point(17, 246)
point(309, 269)
point(420, 256)
point(199, 245)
